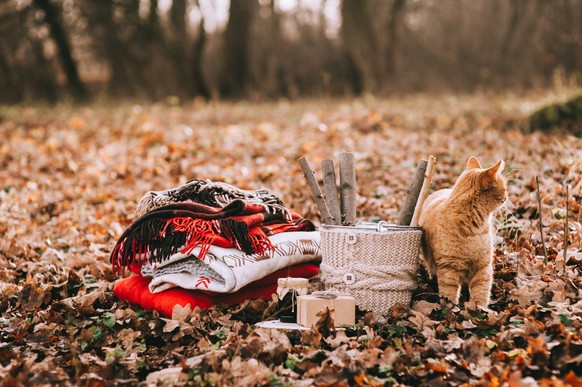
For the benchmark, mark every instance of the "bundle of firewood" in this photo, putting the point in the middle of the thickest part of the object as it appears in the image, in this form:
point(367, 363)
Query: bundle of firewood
point(342, 211)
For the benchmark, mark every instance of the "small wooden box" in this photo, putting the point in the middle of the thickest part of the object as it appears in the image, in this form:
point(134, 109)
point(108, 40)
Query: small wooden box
point(344, 308)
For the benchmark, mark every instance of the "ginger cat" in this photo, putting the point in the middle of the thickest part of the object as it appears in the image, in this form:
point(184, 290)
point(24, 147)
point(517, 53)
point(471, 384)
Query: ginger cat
point(457, 243)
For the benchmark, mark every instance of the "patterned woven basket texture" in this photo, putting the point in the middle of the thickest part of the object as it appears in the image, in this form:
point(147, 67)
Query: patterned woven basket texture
point(377, 267)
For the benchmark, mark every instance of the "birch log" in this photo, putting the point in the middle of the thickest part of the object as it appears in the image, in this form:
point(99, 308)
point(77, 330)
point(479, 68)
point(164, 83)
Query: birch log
point(412, 194)
point(330, 190)
point(347, 188)
point(326, 218)
point(424, 191)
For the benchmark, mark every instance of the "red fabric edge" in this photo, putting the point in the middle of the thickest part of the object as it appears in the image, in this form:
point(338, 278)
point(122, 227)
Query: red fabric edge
point(135, 290)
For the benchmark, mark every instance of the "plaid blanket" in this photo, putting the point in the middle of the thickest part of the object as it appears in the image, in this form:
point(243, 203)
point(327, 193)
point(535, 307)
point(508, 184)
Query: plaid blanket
point(214, 194)
point(181, 227)
point(211, 237)
point(226, 270)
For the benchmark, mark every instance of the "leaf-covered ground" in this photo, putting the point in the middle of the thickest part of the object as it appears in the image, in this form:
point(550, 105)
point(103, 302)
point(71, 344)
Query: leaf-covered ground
point(70, 178)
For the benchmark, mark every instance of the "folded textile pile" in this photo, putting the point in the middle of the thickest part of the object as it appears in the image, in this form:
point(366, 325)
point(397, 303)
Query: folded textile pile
point(135, 289)
point(212, 237)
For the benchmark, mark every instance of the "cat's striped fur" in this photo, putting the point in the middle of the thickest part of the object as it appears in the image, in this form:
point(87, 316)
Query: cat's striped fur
point(458, 232)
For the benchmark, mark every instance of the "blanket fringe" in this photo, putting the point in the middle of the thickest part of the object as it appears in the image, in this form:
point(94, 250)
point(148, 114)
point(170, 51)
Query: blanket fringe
point(225, 216)
point(238, 233)
point(156, 240)
point(260, 241)
point(198, 232)
point(151, 240)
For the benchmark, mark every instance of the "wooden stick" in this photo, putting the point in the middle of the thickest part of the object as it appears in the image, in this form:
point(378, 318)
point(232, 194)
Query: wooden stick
point(540, 220)
point(315, 190)
point(347, 188)
point(412, 194)
point(330, 190)
point(424, 190)
point(566, 232)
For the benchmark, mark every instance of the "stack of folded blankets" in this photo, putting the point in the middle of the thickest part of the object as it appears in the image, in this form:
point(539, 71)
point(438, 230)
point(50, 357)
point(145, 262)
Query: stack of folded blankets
point(206, 242)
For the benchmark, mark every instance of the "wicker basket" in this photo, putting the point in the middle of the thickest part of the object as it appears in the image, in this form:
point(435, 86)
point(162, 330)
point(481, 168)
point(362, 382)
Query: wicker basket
point(376, 263)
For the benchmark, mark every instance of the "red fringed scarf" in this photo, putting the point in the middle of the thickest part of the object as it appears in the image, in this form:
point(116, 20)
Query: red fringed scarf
point(181, 227)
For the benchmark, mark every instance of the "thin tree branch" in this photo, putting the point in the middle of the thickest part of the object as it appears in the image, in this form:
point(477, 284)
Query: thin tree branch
point(566, 230)
point(540, 220)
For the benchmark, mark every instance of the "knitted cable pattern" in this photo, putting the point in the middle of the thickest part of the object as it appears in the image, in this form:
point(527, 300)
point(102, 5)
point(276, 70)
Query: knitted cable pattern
point(378, 268)
point(367, 277)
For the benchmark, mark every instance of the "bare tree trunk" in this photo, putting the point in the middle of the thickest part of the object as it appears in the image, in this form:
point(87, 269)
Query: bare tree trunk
point(10, 91)
point(153, 17)
point(58, 34)
point(275, 72)
point(126, 71)
point(517, 9)
point(182, 84)
point(396, 13)
point(352, 75)
point(43, 83)
point(360, 43)
point(236, 42)
point(178, 17)
point(200, 87)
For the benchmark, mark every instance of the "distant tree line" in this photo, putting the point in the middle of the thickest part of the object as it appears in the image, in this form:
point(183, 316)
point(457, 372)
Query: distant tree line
point(150, 49)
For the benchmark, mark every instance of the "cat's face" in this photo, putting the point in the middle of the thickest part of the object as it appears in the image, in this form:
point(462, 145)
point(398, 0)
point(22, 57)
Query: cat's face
point(487, 184)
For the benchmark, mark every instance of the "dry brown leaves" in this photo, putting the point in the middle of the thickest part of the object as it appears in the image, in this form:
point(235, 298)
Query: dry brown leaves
point(70, 178)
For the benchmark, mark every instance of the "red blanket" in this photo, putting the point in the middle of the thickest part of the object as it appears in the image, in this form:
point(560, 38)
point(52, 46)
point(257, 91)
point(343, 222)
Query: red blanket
point(135, 289)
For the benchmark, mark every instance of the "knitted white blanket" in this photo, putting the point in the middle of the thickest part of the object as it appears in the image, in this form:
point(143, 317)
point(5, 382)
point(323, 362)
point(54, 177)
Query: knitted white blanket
point(226, 270)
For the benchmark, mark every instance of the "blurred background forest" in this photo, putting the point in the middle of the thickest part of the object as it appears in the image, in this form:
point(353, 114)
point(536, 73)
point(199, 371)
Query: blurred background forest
point(54, 50)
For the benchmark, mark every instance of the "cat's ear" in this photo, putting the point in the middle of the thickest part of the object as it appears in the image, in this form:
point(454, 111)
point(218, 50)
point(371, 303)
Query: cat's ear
point(495, 169)
point(473, 163)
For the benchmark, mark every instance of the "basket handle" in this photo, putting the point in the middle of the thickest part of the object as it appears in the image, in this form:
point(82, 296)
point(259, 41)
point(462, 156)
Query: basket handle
point(382, 225)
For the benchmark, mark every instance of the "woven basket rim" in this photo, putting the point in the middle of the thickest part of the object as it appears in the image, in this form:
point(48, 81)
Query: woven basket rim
point(389, 228)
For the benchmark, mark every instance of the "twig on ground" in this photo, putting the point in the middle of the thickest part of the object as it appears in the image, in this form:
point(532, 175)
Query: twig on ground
point(566, 231)
point(540, 220)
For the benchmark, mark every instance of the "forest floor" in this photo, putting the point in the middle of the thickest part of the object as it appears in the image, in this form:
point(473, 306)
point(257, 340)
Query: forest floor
point(70, 178)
